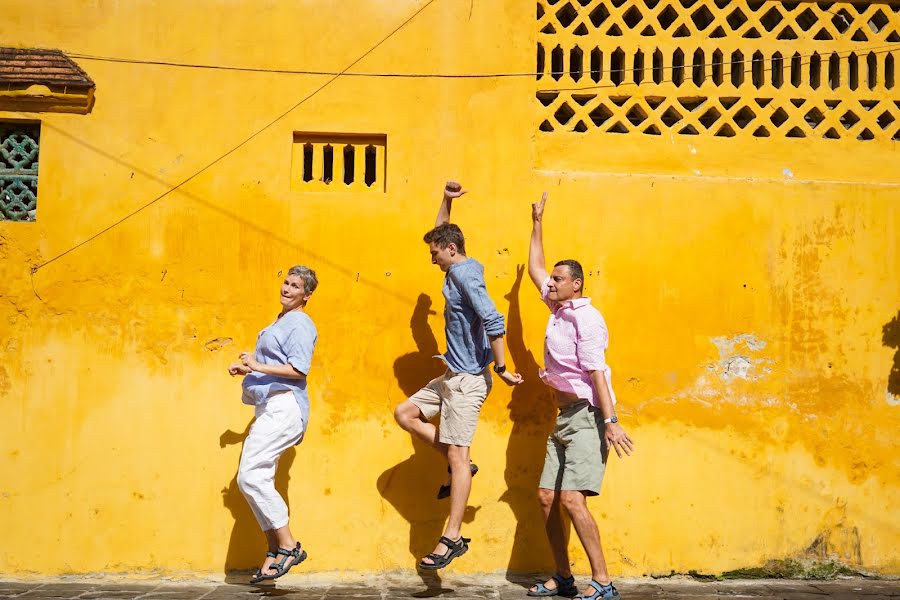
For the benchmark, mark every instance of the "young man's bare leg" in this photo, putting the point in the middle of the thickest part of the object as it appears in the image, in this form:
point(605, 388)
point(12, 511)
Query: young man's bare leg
point(461, 485)
point(557, 534)
point(585, 526)
point(410, 419)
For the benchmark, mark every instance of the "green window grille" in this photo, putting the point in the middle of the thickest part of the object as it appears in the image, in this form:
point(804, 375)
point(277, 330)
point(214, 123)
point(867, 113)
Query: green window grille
point(19, 147)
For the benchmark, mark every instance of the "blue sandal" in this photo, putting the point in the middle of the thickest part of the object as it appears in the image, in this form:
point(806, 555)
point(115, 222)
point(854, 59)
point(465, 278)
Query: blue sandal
point(298, 554)
point(565, 586)
point(258, 576)
point(601, 592)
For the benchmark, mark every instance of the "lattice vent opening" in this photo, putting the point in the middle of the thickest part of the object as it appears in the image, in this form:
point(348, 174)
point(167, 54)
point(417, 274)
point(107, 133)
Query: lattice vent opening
point(19, 154)
point(766, 58)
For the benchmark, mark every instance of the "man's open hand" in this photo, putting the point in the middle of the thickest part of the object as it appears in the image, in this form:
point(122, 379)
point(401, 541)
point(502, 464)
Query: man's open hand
point(537, 209)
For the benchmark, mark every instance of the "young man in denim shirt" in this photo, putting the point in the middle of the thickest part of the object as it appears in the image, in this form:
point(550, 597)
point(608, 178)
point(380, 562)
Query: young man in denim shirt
point(474, 331)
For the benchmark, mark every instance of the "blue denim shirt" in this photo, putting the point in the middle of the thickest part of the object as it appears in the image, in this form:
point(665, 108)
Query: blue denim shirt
point(291, 340)
point(470, 317)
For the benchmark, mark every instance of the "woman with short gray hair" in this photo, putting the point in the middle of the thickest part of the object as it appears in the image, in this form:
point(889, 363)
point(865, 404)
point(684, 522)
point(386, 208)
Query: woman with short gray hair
point(275, 384)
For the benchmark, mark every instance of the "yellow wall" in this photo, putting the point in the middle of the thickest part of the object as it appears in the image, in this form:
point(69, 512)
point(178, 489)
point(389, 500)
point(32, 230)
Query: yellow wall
point(121, 429)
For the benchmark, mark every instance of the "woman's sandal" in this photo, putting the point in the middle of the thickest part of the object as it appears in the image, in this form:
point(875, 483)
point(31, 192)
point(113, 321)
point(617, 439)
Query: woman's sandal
point(601, 592)
point(565, 586)
point(298, 554)
point(454, 549)
point(444, 491)
point(258, 576)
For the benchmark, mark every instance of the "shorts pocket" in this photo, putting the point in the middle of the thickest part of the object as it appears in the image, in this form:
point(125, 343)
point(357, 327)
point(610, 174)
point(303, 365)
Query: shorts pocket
point(474, 387)
point(587, 419)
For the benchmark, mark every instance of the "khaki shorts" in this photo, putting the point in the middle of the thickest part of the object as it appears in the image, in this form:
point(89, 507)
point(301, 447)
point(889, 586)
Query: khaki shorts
point(458, 397)
point(576, 451)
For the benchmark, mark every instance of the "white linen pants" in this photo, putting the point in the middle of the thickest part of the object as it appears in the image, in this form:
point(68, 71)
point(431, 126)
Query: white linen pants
point(277, 427)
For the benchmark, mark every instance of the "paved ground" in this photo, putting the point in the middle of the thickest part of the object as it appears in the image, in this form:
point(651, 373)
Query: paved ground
point(296, 587)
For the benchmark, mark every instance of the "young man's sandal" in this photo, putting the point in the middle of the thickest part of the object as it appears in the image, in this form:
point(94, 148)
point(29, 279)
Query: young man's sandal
point(454, 549)
point(565, 586)
point(601, 592)
point(298, 554)
point(444, 490)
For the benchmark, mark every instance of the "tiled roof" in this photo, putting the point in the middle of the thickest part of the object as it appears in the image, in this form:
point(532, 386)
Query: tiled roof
point(30, 66)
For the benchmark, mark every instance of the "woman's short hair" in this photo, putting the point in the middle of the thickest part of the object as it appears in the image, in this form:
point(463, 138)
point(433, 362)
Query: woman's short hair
point(310, 282)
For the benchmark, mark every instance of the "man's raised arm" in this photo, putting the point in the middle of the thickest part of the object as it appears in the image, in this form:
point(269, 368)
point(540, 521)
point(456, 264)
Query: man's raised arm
point(452, 191)
point(537, 269)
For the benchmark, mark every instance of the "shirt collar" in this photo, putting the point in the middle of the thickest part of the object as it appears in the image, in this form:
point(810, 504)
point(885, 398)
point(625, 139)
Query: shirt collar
point(575, 303)
point(462, 262)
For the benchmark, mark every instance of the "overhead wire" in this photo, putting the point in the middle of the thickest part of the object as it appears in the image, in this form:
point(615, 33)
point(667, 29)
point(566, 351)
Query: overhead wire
point(400, 75)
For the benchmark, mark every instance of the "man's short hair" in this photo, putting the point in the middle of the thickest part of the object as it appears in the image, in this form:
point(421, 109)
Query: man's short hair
point(445, 234)
point(575, 270)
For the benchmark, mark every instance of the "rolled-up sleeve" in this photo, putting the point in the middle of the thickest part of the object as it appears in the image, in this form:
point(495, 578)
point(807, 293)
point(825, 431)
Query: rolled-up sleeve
point(298, 346)
point(593, 339)
point(474, 291)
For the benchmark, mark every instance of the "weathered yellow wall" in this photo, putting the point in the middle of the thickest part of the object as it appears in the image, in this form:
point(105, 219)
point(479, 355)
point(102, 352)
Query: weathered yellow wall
point(121, 429)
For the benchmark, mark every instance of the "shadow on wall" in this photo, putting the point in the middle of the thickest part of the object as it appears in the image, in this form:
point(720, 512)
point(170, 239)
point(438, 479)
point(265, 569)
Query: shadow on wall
point(532, 411)
point(411, 486)
point(247, 545)
point(890, 337)
point(417, 368)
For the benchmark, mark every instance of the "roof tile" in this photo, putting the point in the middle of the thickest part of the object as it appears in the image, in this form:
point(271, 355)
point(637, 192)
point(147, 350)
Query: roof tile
point(30, 66)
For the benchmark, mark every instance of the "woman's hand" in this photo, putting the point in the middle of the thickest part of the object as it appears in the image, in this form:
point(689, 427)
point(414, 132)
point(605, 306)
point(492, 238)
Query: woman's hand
point(250, 361)
point(238, 369)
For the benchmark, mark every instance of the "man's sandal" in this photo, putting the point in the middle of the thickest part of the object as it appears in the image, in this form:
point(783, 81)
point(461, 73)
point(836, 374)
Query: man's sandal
point(565, 586)
point(258, 576)
point(454, 549)
point(444, 491)
point(601, 592)
point(298, 554)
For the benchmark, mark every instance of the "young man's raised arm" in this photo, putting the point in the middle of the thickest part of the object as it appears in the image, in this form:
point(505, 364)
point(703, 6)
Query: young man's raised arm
point(452, 191)
point(537, 269)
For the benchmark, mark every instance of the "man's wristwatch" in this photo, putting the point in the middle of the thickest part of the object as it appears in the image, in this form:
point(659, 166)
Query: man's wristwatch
point(499, 369)
point(612, 419)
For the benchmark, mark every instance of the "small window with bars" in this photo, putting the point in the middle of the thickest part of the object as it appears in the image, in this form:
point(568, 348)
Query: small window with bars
point(338, 162)
point(19, 149)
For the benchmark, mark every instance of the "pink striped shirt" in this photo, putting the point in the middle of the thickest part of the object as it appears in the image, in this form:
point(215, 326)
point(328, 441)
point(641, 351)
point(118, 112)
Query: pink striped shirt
point(575, 344)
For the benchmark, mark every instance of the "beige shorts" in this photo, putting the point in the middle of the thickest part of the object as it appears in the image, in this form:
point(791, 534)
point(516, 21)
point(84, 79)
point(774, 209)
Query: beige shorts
point(576, 451)
point(458, 397)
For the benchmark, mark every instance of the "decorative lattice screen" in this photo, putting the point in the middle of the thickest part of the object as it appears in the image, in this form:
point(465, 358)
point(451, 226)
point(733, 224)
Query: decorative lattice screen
point(19, 149)
point(720, 68)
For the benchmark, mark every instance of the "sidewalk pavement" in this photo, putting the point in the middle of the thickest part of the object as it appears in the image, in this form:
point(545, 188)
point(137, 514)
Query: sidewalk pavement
point(492, 587)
